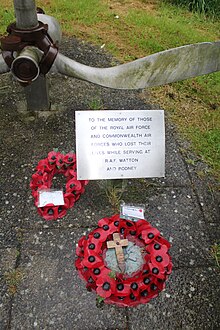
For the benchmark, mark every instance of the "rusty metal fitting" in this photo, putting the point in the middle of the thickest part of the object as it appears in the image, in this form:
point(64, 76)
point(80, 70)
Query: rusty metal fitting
point(25, 67)
point(40, 10)
point(18, 39)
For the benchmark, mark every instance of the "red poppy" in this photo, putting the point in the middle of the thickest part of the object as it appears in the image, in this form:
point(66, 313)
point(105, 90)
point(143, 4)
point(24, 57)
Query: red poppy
point(122, 289)
point(103, 221)
point(163, 241)
point(85, 273)
point(82, 241)
point(94, 245)
point(157, 246)
point(160, 260)
point(157, 271)
point(44, 165)
point(105, 286)
point(81, 246)
point(100, 234)
point(160, 283)
point(70, 158)
point(146, 295)
point(62, 209)
point(149, 234)
point(78, 263)
point(60, 160)
point(74, 186)
point(49, 212)
point(71, 198)
point(100, 271)
point(141, 225)
point(52, 156)
point(91, 285)
point(169, 268)
point(70, 173)
point(92, 261)
point(79, 251)
point(136, 285)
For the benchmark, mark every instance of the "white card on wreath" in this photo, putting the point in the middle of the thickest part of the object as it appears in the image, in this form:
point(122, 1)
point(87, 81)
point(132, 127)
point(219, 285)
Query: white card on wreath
point(131, 211)
point(50, 197)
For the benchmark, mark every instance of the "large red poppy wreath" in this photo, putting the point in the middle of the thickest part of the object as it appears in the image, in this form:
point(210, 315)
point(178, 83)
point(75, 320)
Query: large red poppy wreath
point(57, 163)
point(119, 288)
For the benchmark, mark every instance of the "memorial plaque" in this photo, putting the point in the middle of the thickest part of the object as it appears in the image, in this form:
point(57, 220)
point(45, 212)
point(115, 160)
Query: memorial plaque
point(116, 144)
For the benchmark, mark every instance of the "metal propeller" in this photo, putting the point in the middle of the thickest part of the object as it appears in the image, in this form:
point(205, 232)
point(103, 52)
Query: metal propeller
point(158, 69)
point(153, 70)
point(3, 66)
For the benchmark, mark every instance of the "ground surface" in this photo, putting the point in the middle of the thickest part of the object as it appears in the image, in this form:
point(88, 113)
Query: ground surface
point(40, 288)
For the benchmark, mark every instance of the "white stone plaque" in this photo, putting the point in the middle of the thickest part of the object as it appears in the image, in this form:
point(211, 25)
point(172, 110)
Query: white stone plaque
point(116, 144)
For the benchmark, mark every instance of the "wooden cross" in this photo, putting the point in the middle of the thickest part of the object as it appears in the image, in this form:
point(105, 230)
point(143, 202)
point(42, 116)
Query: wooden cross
point(118, 243)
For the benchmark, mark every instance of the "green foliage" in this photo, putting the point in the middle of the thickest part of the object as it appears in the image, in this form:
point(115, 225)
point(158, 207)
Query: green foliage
point(70, 13)
point(95, 104)
point(114, 190)
point(112, 274)
point(208, 146)
point(99, 301)
point(6, 17)
point(170, 27)
point(209, 7)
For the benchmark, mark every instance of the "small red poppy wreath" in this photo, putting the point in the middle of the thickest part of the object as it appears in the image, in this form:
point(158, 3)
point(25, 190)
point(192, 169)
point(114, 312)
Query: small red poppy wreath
point(117, 287)
point(57, 163)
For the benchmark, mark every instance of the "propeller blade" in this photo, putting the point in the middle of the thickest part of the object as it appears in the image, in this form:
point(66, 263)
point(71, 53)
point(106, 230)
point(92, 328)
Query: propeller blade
point(3, 66)
point(54, 29)
point(158, 69)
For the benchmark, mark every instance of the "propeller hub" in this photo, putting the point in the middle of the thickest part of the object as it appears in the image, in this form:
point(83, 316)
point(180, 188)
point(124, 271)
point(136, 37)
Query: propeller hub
point(25, 69)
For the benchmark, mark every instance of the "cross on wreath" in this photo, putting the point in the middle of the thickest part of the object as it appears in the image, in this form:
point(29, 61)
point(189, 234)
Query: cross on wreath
point(118, 243)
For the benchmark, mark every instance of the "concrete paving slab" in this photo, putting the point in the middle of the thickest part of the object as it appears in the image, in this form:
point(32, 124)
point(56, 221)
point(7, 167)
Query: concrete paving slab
point(208, 198)
point(5, 304)
point(200, 176)
point(8, 257)
point(176, 173)
point(191, 301)
point(15, 170)
point(13, 195)
point(51, 295)
point(176, 213)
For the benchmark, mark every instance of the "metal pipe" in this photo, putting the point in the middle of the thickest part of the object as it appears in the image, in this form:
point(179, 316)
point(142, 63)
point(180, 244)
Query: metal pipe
point(37, 93)
point(26, 14)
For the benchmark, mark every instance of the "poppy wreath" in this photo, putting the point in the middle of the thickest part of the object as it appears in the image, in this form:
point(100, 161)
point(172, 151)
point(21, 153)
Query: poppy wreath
point(119, 288)
point(57, 163)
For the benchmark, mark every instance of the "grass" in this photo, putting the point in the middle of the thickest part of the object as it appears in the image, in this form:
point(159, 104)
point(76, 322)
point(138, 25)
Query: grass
point(95, 104)
point(209, 7)
point(132, 29)
point(114, 190)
